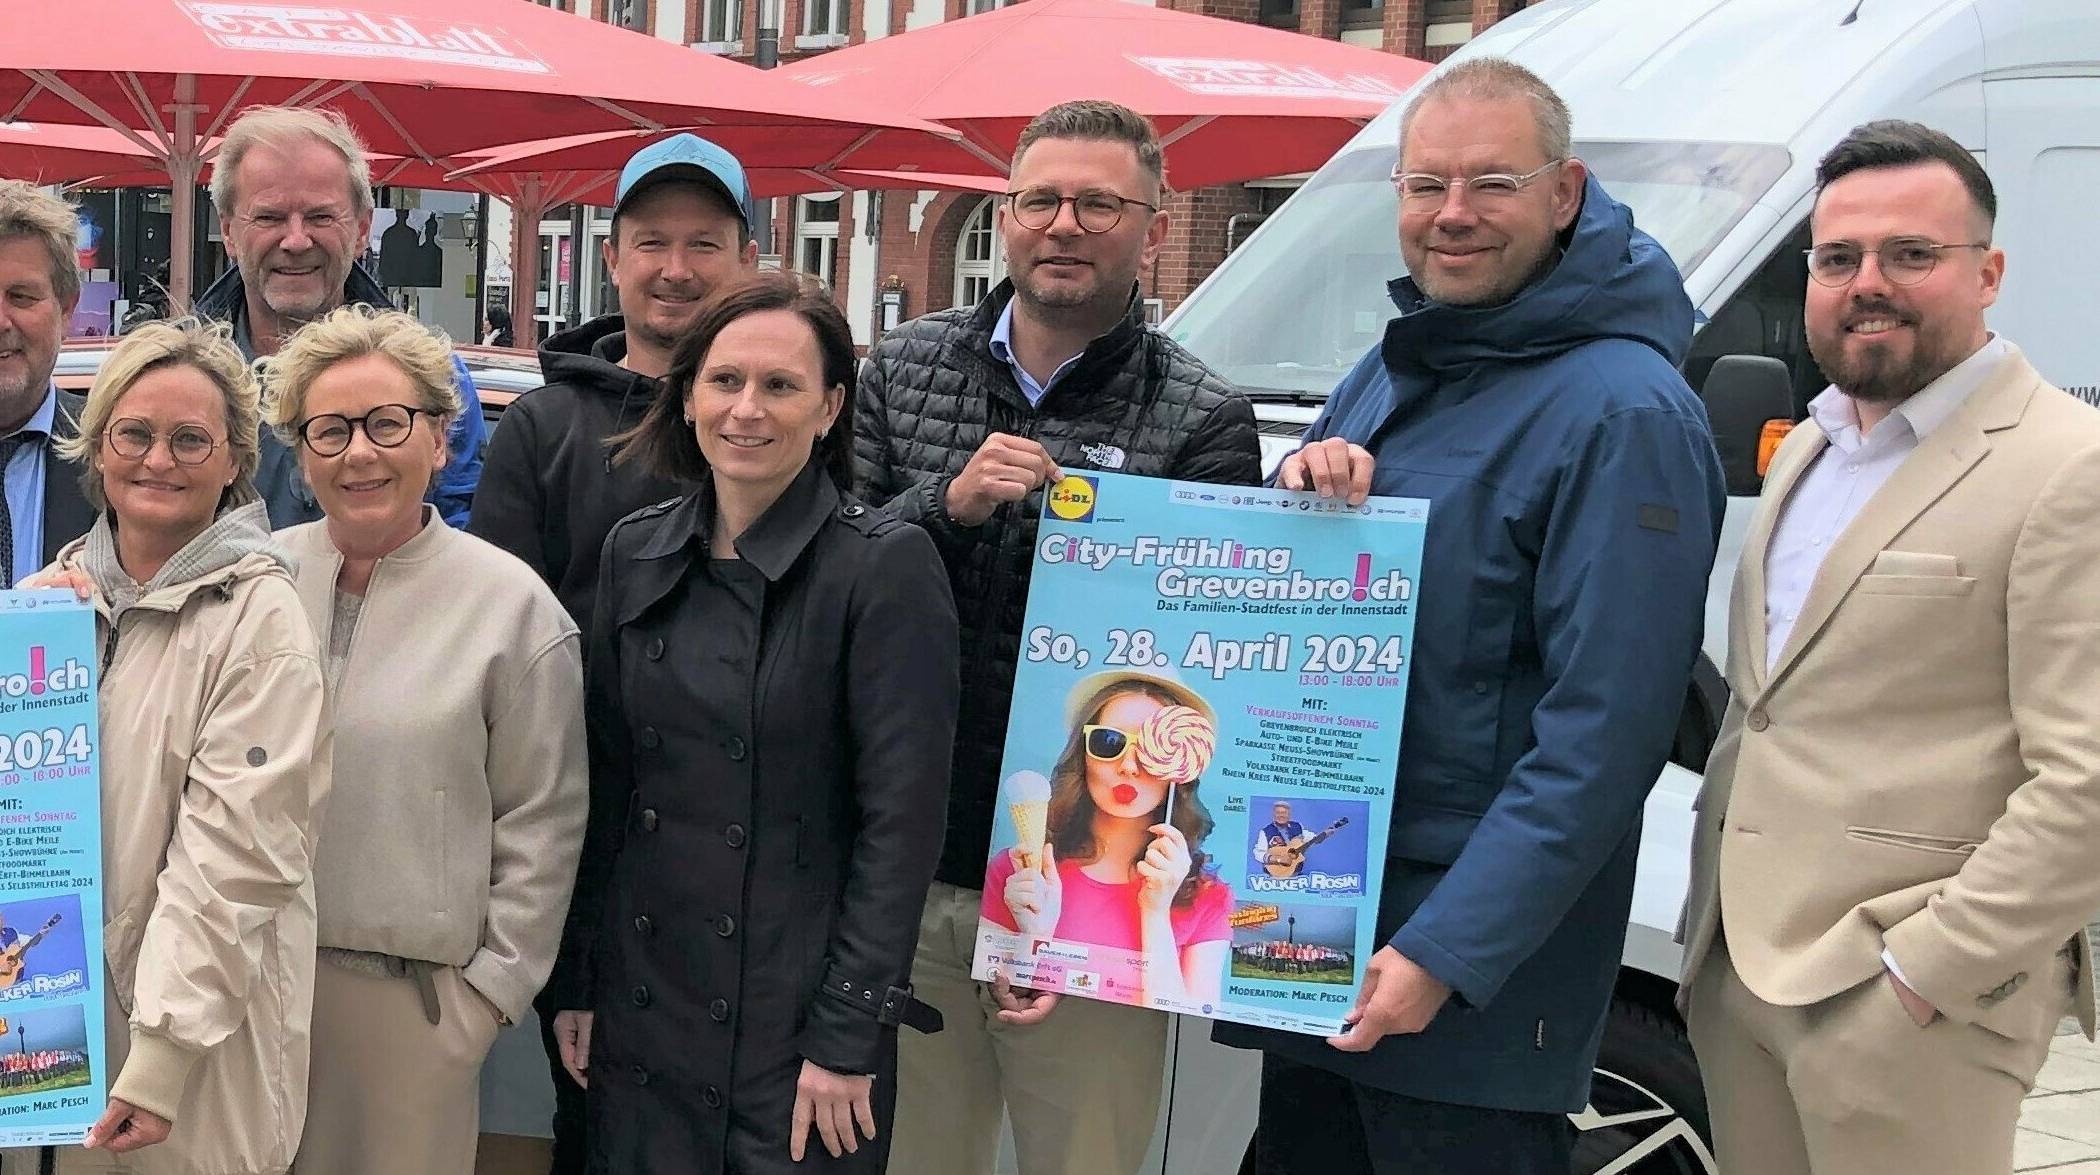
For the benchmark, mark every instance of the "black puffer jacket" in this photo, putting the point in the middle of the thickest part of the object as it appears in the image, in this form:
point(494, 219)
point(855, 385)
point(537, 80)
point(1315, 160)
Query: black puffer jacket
point(930, 394)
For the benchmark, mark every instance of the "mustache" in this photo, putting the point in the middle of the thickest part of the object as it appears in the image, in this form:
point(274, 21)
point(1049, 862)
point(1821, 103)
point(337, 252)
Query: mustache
point(1863, 309)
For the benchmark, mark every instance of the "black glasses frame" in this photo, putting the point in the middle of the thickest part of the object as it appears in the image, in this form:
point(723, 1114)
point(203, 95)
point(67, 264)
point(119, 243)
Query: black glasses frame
point(352, 425)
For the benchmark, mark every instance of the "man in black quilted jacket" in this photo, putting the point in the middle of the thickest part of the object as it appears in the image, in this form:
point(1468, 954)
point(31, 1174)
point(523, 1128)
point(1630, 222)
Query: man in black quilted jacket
point(962, 416)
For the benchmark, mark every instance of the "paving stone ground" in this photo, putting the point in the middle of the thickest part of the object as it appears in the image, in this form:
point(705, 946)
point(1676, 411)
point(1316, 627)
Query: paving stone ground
point(2060, 1125)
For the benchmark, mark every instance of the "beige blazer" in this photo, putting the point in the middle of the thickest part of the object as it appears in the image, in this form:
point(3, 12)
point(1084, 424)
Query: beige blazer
point(1921, 765)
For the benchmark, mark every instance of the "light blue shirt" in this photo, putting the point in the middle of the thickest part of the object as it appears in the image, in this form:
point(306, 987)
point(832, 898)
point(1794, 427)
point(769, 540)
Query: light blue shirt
point(1003, 351)
point(25, 489)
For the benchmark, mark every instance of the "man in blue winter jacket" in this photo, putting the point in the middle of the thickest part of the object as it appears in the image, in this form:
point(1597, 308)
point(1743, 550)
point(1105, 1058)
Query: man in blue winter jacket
point(1529, 389)
point(294, 194)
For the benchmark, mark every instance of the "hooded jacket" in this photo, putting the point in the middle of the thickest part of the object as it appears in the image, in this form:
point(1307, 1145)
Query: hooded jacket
point(1575, 504)
point(215, 765)
point(550, 491)
point(278, 480)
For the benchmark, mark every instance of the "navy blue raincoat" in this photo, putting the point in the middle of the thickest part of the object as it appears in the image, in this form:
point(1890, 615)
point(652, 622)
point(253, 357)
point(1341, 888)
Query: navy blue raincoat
point(1576, 503)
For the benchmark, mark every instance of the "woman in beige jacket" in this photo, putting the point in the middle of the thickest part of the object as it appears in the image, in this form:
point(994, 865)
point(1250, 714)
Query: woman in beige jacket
point(458, 808)
point(214, 763)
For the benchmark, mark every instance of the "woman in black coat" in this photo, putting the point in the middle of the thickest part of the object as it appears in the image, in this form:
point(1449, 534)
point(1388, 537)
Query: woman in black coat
point(772, 690)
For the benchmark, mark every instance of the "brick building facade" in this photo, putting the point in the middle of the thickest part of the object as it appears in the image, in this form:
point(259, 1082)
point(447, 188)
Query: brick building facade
point(935, 248)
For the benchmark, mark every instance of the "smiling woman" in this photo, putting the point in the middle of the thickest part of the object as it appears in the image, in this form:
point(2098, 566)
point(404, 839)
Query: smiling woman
point(452, 844)
point(215, 755)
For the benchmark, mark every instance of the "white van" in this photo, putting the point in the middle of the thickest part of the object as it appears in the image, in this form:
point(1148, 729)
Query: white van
point(1707, 117)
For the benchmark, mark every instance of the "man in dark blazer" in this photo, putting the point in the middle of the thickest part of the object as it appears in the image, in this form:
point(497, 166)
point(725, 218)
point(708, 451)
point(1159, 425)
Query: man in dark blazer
point(43, 506)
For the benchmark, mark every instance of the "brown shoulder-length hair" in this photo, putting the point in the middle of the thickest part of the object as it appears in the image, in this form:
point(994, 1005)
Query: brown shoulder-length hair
point(663, 443)
point(1071, 815)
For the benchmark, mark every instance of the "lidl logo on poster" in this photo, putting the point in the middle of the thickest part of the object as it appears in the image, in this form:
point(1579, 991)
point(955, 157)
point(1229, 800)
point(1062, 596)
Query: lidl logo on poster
point(1074, 497)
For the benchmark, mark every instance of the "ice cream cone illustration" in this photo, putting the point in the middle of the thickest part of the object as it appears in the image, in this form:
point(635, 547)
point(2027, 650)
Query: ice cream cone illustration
point(1028, 800)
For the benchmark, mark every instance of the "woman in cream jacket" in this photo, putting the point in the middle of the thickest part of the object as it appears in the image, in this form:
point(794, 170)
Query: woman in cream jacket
point(457, 812)
point(214, 767)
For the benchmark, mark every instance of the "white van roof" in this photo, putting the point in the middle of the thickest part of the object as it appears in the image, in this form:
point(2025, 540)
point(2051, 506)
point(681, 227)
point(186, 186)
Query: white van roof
point(1781, 71)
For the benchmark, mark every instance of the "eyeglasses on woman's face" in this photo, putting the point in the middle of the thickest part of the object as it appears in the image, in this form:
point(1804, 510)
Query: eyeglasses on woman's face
point(132, 438)
point(387, 427)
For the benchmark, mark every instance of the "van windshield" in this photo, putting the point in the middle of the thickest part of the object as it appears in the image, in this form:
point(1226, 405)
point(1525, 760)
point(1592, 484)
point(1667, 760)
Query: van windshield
point(1296, 306)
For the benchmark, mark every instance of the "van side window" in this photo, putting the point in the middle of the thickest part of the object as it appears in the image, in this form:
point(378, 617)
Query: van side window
point(1764, 318)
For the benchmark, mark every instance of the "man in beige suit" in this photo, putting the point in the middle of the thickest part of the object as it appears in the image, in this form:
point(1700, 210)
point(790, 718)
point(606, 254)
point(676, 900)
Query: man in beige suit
point(1898, 848)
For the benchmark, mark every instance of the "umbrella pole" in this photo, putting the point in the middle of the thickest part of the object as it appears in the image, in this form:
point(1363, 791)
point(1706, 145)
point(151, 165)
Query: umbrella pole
point(183, 166)
point(525, 211)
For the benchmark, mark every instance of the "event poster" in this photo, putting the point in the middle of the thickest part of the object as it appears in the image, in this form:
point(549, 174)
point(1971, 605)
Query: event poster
point(1193, 805)
point(52, 1083)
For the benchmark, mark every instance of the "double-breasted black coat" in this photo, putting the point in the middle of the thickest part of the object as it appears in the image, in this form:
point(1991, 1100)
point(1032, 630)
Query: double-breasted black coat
point(770, 752)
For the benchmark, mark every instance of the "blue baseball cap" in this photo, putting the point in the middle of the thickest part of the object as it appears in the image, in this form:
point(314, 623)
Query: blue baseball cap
point(686, 156)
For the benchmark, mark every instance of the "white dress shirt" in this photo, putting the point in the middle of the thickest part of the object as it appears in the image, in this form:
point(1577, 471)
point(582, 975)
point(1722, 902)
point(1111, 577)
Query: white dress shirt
point(1842, 479)
point(1845, 475)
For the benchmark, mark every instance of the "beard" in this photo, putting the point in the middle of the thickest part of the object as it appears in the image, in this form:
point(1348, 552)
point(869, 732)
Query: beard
point(1519, 273)
point(1883, 373)
point(1108, 284)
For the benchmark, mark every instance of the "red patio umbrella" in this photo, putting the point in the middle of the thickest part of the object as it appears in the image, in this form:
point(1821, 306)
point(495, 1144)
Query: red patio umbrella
point(44, 154)
point(423, 79)
point(1232, 100)
point(500, 174)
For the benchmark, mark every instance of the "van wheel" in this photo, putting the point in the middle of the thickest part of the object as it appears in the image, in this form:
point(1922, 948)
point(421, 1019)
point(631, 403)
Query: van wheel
point(1647, 1111)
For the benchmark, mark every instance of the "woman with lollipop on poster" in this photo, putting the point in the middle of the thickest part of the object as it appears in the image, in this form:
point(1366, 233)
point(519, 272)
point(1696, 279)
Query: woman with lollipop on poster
point(1110, 850)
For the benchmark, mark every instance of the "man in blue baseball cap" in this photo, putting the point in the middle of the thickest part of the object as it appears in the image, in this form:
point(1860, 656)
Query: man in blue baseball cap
point(549, 490)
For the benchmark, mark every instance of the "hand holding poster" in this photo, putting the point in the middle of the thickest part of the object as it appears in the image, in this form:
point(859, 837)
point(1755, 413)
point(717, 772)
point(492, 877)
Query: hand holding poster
point(52, 1083)
point(1199, 761)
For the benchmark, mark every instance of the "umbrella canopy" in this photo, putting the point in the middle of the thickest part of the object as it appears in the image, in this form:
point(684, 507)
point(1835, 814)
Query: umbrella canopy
point(422, 79)
point(579, 169)
point(1232, 101)
point(61, 154)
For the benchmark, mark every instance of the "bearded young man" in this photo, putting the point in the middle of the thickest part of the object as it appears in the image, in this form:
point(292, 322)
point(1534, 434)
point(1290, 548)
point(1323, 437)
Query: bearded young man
point(1892, 870)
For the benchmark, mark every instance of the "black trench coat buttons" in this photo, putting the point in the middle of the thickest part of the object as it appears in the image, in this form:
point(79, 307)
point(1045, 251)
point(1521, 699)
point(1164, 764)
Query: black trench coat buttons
point(643, 926)
point(718, 1011)
point(649, 820)
point(641, 996)
point(733, 836)
point(725, 925)
point(737, 749)
point(641, 1075)
point(655, 649)
point(650, 740)
point(712, 1096)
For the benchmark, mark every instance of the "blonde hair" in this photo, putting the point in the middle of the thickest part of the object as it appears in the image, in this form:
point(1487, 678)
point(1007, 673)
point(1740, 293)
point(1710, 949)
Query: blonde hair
point(204, 347)
point(280, 128)
point(353, 332)
point(26, 211)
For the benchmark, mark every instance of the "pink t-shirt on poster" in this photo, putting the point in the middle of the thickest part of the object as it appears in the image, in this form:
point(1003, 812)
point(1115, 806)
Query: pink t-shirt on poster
point(1101, 914)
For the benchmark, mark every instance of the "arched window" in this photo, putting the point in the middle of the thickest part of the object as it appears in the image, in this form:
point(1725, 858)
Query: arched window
point(979, 263)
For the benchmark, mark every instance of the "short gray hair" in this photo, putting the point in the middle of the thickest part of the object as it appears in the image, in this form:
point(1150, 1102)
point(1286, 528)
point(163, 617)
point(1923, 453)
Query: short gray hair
point(28, 211)
point(1496, 79)
point(279, 128)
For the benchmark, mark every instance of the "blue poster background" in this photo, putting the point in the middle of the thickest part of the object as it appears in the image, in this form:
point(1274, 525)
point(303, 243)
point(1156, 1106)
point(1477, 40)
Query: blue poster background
point(52, 1080)
point(1287, 621)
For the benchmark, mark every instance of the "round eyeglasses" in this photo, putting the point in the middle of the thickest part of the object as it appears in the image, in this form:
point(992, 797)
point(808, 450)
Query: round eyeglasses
point(386, 426)
point(1906, 261)
point(1036, 209)
point(132, 438)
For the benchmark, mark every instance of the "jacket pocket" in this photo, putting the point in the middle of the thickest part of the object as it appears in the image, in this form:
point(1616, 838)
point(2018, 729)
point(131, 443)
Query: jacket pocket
point(1430, 834)
point(1924, 842)
point(1917, 585)
point(120, 946)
